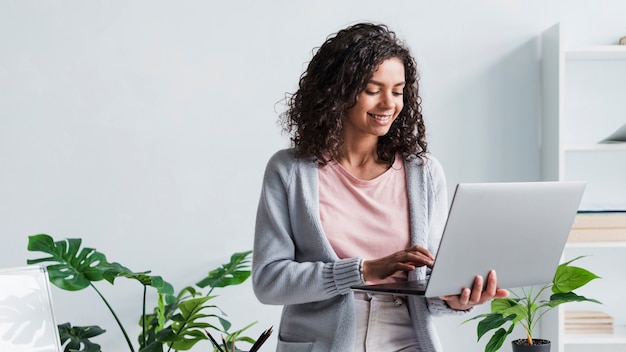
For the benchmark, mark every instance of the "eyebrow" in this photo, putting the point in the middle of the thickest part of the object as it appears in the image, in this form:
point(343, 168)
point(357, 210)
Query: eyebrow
point(382, 84)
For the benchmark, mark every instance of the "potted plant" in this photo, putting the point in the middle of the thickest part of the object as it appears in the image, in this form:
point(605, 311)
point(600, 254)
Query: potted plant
point(527, 307)
point(177, 323)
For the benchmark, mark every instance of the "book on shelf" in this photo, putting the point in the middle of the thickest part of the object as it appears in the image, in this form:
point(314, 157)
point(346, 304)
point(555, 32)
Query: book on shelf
point(600, 220)
point(597, 235)
point(587, 322)
point(587, 317)
point(591, 329)
point(592, 227)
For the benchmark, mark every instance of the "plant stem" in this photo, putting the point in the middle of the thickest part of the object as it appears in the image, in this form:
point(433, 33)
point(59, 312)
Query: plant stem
point(531, 319)
point(119, 323)
point(143, 318)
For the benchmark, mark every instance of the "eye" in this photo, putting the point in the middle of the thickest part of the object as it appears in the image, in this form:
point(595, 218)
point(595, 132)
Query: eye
point(369, 92)
point(398, 94)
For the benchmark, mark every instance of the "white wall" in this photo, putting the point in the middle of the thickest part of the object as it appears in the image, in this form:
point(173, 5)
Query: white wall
point(144, 127)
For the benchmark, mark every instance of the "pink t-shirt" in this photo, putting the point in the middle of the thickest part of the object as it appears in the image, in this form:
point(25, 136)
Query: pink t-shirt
point(365, 218)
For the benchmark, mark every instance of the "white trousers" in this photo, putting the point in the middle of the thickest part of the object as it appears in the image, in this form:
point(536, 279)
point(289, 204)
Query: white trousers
point(383, 324)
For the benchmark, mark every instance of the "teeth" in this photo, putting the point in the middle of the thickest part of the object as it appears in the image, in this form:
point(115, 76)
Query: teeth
point(381, 117)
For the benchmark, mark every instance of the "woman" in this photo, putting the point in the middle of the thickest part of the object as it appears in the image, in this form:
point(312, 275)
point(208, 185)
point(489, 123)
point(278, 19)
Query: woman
point(356, 199)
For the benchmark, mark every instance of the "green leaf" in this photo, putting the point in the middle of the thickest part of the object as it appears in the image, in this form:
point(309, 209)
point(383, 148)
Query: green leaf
point(509, 306)
point(155, 323)
point(476, 317)
point(490, 322)
point(568, 278)
point(226, 325)
point(75, 268)
point(236, 337)
point(499, 305)
point(560, 298)
point(527, 309)
point(497, 339)
point(152, 347)
point(117, 270)
point(168, 335)
point(233, 273)
point(77, 337)
point(190, 338)
point(186, 324)
point(192, 306)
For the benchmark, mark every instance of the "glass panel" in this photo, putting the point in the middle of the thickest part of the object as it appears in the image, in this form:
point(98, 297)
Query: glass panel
point(26, 319)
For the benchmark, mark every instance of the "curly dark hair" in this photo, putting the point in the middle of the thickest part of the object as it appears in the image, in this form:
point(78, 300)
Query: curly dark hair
point(338, 72)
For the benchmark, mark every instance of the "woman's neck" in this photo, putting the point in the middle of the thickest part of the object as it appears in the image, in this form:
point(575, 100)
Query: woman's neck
point(362, 161)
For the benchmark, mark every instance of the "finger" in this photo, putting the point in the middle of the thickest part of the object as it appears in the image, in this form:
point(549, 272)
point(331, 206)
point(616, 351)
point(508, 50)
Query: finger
point(492, 284)
point(502, 293)
point(421, 250)
point(418, 262)
point(417, 259)
point(477, 289)
point(405, 267)
point(464, 297)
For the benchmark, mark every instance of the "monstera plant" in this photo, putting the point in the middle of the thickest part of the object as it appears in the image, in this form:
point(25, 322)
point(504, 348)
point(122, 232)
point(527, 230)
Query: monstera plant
point(178, 321)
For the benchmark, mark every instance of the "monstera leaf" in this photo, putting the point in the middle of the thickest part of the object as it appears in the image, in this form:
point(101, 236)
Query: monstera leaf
point(115, 270)
point(77, 336)
point(75, 267)
point(233, 273)
point(178, 322)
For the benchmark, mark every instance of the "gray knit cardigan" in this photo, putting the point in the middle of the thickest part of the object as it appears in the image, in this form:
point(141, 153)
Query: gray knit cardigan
point(295, 266)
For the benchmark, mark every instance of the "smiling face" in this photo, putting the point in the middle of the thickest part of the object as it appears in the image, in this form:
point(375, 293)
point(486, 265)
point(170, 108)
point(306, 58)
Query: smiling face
point(379, 104)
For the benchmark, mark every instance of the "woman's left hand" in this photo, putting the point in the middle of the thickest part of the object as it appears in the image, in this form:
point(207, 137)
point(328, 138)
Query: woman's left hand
point(479, 293)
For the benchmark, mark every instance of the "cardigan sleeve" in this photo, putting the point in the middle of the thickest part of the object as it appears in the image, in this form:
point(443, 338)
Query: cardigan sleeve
point(292, 262)
point(438, 209)
point(438, 307)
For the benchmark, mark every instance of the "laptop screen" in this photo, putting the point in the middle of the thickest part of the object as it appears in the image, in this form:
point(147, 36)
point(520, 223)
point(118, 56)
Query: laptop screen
point(518, 229)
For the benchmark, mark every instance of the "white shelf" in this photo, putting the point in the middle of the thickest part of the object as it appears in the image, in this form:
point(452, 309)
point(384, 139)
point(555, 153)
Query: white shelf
point(582, 103)
point(602, 52)
point(617, 337)
point(597, 244)
point(595, 147)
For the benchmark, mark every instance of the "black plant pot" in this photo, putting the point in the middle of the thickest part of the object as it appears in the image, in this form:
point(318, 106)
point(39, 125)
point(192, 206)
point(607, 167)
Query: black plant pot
point(539, 345)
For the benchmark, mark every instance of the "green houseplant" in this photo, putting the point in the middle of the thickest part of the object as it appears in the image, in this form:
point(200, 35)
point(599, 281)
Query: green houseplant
point(527, 307)
point(178, 321)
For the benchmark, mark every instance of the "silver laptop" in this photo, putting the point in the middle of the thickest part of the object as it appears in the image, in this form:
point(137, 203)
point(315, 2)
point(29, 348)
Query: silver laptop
point(518, 229)
point(27, 322)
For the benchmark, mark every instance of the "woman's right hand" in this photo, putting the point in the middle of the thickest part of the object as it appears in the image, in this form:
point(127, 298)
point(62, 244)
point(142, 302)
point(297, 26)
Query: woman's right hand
point(405, 260)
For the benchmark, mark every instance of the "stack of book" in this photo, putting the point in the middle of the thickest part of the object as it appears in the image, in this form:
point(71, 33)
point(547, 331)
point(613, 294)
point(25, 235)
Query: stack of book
point(598, 227)
point(588, 322)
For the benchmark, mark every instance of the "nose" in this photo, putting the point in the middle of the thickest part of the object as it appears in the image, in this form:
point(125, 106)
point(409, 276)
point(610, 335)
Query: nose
point(388, 100)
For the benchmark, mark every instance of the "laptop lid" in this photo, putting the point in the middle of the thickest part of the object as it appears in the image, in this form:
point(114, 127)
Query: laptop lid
point(27, 322)
point(518, 229)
